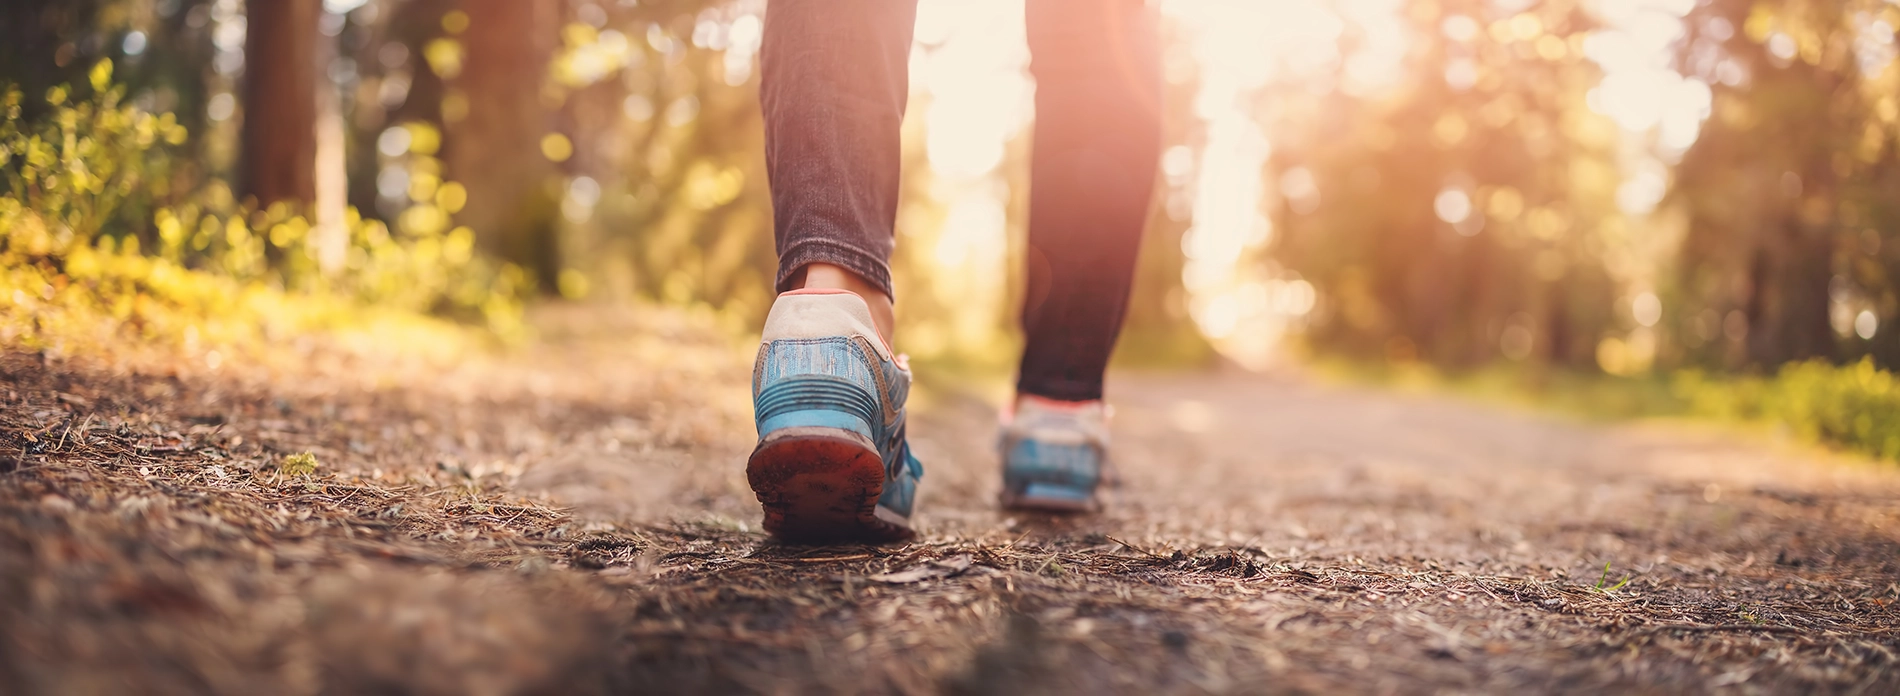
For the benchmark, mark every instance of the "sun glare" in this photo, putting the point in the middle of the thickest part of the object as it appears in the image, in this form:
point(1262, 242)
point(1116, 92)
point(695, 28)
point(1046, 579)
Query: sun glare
point(970, 81)
point(971, 86)
point(1244, 304)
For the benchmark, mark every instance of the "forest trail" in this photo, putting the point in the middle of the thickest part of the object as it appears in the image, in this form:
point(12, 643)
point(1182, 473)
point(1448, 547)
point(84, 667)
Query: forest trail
point(574, 518)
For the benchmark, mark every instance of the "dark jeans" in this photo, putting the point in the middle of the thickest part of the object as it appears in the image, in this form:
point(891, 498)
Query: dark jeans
point(834, 86)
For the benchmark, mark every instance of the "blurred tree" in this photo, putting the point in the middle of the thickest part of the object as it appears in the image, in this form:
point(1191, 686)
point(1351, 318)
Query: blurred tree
point(52, 42)
point(696, 166)
point(1458, 217)
point(1791, 192)
point(279, 160)
point(667, 193)
point(495, 59)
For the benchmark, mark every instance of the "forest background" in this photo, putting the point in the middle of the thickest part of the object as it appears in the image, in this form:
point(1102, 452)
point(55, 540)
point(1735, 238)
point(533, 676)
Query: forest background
point(1627, 207)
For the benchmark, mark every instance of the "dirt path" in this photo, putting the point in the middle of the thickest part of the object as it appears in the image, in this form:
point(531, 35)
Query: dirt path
point(575, 519)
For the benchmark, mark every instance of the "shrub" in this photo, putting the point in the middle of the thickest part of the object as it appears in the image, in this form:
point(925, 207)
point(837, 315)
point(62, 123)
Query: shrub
point(94, 231)
point(1853, 406)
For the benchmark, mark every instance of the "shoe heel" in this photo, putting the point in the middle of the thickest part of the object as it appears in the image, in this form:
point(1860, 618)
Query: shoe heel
point(819, 482)
point(818, 470)
point(1051, 478)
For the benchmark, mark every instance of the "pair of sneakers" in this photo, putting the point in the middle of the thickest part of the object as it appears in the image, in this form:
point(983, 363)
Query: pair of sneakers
point(833, 463)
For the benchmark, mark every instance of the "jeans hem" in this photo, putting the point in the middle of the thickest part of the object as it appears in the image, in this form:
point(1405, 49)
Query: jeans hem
point(1060, 389)
point(867, 266)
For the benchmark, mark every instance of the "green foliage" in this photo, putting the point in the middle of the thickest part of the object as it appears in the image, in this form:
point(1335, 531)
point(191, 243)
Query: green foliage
point(1856, 407)
point(96, 230)
point(1584, 394)
point(86, 170)
point(683, 213)
point(1604, 580)
point(1853, 407)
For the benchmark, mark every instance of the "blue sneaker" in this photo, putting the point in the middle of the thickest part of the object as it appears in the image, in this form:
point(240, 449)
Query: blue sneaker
point(832, 463)
point(1054, 455)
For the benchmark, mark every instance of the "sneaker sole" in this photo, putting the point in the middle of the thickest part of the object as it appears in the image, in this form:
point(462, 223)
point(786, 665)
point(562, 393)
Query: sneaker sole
point(821, 485)
point(1032, 503)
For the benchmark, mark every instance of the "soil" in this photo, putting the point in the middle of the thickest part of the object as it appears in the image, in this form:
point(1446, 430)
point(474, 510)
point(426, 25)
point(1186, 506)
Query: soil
point(573, 517)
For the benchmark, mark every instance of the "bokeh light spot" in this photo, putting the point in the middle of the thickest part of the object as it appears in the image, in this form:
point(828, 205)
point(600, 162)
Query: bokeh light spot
point(556, 147)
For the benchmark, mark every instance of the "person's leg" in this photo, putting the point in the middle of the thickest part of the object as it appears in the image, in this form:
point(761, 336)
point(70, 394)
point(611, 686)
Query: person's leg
point(833, 87)
point(1097, 141)
point(828, 394)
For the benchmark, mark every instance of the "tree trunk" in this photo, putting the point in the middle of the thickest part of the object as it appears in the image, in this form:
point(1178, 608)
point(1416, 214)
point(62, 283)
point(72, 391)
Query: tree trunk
point(279, 162)
point(331, 241)
point(1788, 305)
point(495, 150)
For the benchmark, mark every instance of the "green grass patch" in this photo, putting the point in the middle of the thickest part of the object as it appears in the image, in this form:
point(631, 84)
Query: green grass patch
point(1854, 407)
point(1589, 396)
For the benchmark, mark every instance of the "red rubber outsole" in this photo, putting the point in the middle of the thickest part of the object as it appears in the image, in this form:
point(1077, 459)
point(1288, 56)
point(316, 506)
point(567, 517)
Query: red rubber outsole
point(818, 489)
point(1057, 506)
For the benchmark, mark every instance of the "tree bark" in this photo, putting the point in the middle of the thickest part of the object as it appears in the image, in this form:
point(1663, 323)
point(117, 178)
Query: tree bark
point(279, 161)
point(495, 151)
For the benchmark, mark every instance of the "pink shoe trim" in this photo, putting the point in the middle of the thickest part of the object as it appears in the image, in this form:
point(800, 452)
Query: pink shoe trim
point(1058, 404)
point(1007, 414)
